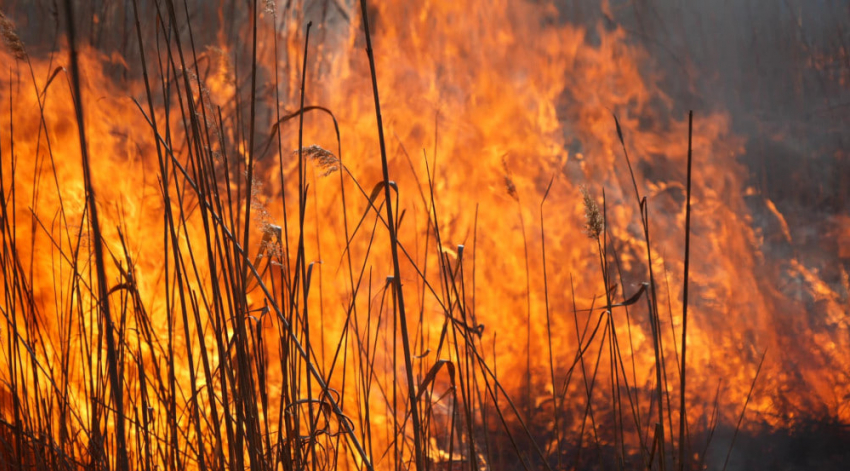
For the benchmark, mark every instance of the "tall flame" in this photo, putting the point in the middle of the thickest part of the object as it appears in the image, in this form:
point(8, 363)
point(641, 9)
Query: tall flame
point(496, 114)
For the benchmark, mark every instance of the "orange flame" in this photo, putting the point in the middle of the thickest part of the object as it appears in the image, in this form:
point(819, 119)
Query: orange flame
point(484, 103)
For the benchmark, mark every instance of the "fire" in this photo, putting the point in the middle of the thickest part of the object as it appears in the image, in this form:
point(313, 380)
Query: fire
point(496, 114)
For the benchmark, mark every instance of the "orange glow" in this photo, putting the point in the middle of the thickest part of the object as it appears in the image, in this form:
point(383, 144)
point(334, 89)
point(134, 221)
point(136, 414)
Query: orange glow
point(480, 94)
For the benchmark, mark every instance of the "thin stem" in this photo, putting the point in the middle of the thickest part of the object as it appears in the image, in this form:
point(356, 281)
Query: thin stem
point(685, 300)
point(111, 352)
point(417, 445)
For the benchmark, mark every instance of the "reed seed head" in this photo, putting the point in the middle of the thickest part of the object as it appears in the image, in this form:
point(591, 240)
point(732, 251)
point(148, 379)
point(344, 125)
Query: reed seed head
point(10, 38)
point(594, 222)
point(509, 183)
point(322, 158)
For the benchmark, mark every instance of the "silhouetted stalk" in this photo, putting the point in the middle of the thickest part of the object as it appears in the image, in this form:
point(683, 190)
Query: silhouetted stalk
point(555, 406)
point(414, 410)
point(744, 410)
point(112, 355)
point(300, 257)
point(652, 300)
point(528, 402)
point(682, 419)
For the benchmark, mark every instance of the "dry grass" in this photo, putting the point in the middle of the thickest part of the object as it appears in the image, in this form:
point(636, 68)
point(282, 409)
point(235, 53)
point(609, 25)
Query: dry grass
point(193, 390)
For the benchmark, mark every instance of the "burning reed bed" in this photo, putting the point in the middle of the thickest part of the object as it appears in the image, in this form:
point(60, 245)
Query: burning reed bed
point(222, 301)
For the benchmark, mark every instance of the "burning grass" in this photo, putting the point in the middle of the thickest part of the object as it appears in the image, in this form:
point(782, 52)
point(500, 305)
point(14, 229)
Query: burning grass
point(212, 299)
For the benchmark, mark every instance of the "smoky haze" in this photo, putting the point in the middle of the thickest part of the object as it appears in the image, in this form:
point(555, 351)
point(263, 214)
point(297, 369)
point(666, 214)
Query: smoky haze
point(781, 70)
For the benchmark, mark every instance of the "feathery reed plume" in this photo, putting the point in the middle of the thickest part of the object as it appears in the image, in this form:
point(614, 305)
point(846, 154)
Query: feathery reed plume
point(10, 38)
point(509, 183)
point(270, 246)
point(593, 224)
point(324, 159)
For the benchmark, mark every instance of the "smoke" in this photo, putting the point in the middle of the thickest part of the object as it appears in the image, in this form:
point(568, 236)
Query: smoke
point(781, 71)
